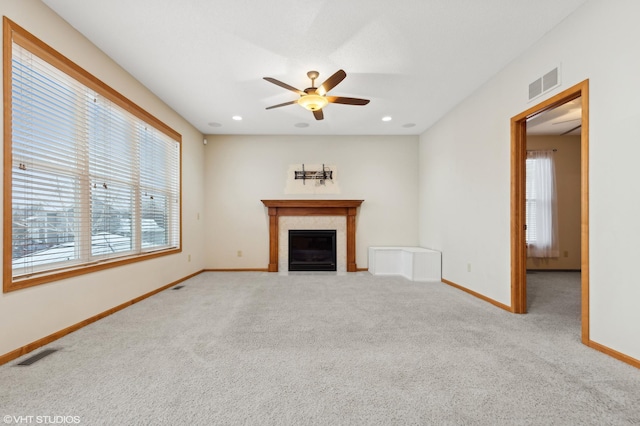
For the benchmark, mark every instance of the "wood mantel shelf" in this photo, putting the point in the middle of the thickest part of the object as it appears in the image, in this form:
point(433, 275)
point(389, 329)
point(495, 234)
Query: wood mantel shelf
point(279, 208)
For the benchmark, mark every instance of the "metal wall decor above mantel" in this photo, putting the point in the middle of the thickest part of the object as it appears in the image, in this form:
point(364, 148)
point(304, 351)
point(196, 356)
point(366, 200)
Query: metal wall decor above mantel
point(321, 175)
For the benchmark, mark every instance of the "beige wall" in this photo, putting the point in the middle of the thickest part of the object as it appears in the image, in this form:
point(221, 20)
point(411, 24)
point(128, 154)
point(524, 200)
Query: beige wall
point(567, 162)
point(242, 170)
point(465, 210)
point(30, 314)
point(239, 172)
point(460, 170)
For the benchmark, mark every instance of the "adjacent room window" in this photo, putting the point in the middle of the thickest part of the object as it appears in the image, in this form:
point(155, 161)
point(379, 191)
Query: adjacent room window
point(541, 205)
point(94, 181)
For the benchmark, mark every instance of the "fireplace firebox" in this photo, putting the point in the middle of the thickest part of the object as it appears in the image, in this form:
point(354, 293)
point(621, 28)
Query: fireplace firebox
point(312, 250)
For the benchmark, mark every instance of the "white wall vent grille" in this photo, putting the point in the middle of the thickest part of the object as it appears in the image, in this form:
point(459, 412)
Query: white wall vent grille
point(545, 83)
point(535, 89)
point(550, 80)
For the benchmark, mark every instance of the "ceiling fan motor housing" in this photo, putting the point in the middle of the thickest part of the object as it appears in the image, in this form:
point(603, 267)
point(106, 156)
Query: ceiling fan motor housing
point(312, 101)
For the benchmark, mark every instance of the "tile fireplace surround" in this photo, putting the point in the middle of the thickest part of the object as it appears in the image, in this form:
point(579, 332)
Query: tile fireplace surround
point(277, 208)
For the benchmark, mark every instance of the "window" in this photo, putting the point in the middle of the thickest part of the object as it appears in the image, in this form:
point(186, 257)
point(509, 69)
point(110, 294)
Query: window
point(531, 203)
point(541, 205)
point(94, 180)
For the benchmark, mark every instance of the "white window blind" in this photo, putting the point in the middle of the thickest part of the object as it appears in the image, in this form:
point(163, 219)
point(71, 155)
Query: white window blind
point(530, 219)
point(90, 181)
point(541, 200)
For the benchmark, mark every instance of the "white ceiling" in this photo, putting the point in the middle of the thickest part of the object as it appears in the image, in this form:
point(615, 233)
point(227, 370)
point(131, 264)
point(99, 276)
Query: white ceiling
point(414, 59)
point(565, 119)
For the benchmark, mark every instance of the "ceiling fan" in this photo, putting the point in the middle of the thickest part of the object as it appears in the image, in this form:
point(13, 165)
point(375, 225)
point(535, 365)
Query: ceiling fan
point(315, 98)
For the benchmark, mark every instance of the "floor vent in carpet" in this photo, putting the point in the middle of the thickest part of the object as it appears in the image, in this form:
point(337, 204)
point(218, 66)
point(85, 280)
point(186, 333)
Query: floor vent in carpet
point(38, 357)
point(178, 287)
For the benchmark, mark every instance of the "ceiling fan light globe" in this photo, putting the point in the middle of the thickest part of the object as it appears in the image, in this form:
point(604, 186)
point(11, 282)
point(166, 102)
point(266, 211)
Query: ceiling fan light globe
point(313, 102)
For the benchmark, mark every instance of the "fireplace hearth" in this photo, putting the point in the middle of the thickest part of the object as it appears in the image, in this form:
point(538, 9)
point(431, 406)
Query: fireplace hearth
point(312, 250)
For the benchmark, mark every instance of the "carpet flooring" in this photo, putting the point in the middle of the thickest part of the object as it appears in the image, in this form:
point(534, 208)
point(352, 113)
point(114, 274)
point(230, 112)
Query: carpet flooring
point(328, 349)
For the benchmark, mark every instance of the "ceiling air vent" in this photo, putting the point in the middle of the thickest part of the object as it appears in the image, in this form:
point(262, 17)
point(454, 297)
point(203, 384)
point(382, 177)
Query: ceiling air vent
point(545, 83)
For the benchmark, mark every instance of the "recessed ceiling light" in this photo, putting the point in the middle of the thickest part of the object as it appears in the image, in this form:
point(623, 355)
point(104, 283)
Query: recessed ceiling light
point(214, 124)
point(386, 118)
point(409, 125)
point(237, 118)
point(301, 125)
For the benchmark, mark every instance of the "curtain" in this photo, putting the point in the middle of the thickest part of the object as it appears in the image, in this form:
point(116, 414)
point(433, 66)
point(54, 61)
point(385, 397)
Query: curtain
point(542, 211)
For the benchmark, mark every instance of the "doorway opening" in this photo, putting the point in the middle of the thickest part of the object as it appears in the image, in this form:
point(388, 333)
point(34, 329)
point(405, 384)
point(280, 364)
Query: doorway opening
point(578, 95)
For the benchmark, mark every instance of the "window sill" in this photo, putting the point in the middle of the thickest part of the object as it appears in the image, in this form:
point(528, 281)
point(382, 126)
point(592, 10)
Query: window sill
point(13, 284)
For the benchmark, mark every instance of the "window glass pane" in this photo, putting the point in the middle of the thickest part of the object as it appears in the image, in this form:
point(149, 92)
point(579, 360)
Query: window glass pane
point(111, 141)
point(155, 219)
point(156, 169)
point(530, 218)
point(43, 219)
point(112, 230)
point(43, 130)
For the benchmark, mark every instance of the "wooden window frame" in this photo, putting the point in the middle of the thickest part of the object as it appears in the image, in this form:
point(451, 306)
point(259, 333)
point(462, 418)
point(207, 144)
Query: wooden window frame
point(12, 32)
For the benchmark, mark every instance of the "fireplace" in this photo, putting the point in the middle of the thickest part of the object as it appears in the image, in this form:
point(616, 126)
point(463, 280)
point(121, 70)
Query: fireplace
point(312, 250)
point(282, 208)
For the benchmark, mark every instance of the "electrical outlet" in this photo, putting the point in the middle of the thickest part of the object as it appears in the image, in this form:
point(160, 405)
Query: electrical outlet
point(468, 267)
point(566, 253)
point(239, 253)
point(189, 258)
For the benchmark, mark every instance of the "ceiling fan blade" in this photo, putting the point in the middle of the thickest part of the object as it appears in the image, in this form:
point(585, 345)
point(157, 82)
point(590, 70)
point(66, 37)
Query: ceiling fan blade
point(571, 130)
point(318, 114)
point(331, 82)
point(567, 121)
point(347, 101)
point(285, 85)
point(283, 104)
